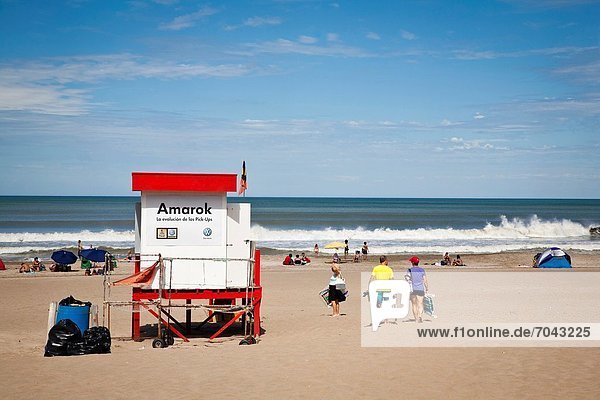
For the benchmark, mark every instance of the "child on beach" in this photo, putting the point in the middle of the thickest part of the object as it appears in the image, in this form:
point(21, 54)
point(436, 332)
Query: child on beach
point(337, 286)
point(316, 249)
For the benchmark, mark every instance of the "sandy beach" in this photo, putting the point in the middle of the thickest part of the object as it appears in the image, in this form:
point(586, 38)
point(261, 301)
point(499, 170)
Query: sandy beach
point(304, 353)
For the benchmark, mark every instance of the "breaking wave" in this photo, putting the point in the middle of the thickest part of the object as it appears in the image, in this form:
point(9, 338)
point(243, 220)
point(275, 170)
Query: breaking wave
point(513, 234)
point(508, 234)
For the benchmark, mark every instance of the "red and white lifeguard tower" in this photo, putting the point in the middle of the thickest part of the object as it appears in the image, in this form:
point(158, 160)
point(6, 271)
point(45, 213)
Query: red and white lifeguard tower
point(203, 243)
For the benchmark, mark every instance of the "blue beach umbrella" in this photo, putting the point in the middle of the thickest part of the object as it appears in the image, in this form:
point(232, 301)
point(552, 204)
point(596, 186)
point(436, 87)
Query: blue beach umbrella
point(63, 257)
point(95, 255)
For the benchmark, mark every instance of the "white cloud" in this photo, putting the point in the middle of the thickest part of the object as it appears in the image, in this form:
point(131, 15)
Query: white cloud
point(284, 46)
point(549, 51)
point(373, 36)
point(187, 20)
point(43, 99)
point(587, 72)
point(333, 37)
point(447, 122)
point(43, 86)
point(458, 143)
point(478, 115)
point(407, 35)
point(307, 39)
point(260, 21)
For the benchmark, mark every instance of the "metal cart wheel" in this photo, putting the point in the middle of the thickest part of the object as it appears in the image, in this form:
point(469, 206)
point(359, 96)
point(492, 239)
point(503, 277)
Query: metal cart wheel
point(170, 339)
point(248, 340)
point(159, 343)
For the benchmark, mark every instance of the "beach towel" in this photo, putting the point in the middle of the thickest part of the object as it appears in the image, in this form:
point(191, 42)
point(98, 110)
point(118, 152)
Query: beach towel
point(428, 306)
point(324, 295)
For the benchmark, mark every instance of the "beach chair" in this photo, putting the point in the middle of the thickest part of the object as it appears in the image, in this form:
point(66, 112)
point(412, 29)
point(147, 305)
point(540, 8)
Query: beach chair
point(428, 305)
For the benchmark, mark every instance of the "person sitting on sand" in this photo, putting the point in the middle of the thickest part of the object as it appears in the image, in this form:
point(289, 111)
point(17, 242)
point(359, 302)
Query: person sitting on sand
point(457, 262)
point(297, 260)
point(337, 287)
point(357, 256)
point(288, 260)
point(305, 260)
point(25, 268)
point(336, 258)
point(36, 265)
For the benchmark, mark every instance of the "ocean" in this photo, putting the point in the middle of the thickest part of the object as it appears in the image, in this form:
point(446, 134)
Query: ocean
point(30, 224)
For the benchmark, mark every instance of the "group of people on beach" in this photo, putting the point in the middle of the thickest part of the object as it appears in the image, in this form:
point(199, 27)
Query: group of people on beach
point(299, 260)
point(35, 266)
point(359, 255)
point(447, 261)
point(415, 275)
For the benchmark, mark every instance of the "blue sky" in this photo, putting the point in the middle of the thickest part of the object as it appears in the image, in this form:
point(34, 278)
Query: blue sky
point(344, 98)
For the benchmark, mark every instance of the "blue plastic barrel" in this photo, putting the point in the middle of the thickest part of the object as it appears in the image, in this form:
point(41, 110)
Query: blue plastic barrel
point(78, 314)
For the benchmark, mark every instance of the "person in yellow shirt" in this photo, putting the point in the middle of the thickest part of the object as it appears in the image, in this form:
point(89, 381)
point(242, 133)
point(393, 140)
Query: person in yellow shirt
point(380, 273)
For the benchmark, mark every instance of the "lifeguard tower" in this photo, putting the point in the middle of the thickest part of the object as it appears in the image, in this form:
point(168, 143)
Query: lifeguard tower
point(193, 250)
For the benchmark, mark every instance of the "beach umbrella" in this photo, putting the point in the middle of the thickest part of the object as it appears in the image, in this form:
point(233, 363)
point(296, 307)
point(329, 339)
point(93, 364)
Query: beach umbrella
point(335, 245)
point(63, 257)
point(95, 255)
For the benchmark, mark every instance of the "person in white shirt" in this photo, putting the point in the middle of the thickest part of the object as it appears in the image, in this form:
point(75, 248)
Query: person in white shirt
point(337, 287)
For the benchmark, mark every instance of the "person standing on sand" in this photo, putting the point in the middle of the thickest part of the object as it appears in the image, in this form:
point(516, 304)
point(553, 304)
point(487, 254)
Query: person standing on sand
point(418, 279)
point(365, 250)
point(381, 272)
point(79, 248)
point(337, 287)
point(316, 250)
point(346, 249)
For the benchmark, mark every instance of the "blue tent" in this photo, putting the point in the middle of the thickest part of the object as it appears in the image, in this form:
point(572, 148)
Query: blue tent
point(553, 258)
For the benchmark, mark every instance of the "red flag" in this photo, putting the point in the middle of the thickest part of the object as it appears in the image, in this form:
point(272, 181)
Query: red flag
point(140, 279)
point(243, 182)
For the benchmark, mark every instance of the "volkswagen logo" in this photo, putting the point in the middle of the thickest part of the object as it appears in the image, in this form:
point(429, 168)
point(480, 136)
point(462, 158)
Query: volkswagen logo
point(207, 231)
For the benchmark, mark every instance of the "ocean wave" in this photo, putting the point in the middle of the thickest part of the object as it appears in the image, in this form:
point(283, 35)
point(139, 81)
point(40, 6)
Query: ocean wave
point(507, 235)
point(86, 236)
point(516, 228)
point(442, 248)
